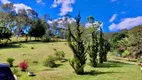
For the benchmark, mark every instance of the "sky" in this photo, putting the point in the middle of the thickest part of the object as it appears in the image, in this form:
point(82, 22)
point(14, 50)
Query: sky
point(114, 14)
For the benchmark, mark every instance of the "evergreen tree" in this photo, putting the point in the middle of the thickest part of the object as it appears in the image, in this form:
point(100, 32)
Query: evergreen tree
point(37, 30)
point(101, 45)
point(93, 48)
point(106, 47)
point(77, 44)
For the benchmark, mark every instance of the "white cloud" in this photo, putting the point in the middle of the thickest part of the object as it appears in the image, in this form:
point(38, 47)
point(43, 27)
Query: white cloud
point(113, 18)
point(17, 6)
point(126, 23)
point(5, 1)
point(21, 6)
point(40, 2)
point(66, 6)
point(113, 0)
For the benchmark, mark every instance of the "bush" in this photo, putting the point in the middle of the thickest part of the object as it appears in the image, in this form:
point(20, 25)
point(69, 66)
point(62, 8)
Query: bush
point(50, 61)
point(46, 38)
point(114, 52)
point(57, 36)
point(23, 65)
point(60, 55)
point(125, 53)
point(140, 60)
point(10, 61)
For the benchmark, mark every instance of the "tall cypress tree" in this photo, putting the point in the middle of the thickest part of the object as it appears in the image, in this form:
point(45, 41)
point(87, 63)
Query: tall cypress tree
point(93, 48)
point(77, 44)
point(101, 46)
point(106, 49)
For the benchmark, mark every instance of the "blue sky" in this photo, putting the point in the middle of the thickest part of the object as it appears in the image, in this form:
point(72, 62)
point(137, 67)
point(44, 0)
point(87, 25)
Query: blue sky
point(114, 14)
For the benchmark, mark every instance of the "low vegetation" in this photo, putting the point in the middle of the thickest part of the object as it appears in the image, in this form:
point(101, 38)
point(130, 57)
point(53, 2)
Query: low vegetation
point(23, 65)
point(120, 69)
point(60, 55)
point(50, 61)
point(10, 61)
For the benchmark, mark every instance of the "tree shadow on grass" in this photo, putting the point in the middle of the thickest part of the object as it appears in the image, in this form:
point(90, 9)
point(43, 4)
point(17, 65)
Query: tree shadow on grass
point(112, 64)
point(52, 69)
point(10, 46)
point(58, 65)
point(93, 72)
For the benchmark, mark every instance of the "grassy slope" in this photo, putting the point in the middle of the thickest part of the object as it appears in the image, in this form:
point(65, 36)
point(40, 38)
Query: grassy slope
point(112, 70)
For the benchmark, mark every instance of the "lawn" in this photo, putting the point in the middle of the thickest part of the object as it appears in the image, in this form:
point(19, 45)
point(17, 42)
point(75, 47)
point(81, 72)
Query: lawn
point(111, 70)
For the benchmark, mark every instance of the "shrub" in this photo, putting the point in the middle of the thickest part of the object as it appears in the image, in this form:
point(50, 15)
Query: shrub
point(60, 55)
point(50, 61)
point(23, 65)
point(140, 60)
point(10, 61)
point(46, 38)
point(125, 53)
point(114, 52)
point(57, 36)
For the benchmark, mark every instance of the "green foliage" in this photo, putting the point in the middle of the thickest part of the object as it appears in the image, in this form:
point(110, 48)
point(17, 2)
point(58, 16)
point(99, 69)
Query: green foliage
point(125, 53)
point(15, 72)
point(93, 46)
point(135, 38)
point(123, 43)
point(101, 46)
point(60, 55)
point(93, 49)
point(114, 52)
point(50, 61)
point(139, 60)
point(117, 37)
point(37, 30)
point(77, 44)
point(10, 61)
point(106, 47)
point(5, 33)
point(46, 38)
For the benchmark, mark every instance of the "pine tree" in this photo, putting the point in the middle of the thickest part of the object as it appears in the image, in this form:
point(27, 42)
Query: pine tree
point(93, 48)
point(76, 43)
point(106, 49)
point(101, 46)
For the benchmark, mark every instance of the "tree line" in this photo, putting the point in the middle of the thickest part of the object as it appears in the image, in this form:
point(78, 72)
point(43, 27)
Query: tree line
point(17, 23)
point(127, 43)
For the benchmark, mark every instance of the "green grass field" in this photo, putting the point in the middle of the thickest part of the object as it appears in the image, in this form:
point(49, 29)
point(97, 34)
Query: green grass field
point(111, 70)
